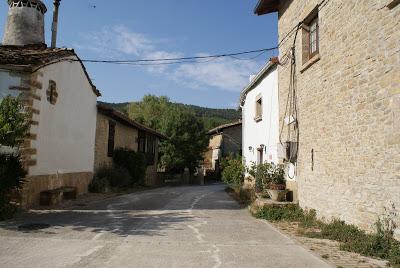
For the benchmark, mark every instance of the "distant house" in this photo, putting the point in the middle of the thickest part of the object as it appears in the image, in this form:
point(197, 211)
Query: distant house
point(56, 89)
point(260, 116)
point(116, 130)
point(224, 141)
point(339, 77)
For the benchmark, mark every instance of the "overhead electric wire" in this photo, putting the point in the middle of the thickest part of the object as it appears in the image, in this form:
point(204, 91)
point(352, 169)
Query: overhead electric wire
point(182, 59)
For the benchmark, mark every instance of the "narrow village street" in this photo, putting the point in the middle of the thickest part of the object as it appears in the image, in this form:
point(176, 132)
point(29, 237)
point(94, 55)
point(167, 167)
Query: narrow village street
point(198, 226)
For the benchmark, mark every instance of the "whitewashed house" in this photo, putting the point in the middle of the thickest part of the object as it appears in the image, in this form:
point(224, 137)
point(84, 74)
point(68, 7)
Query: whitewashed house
point(55, 87)
point(260, 112)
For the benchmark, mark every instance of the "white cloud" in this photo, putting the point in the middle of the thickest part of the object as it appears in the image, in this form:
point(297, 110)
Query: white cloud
point(129, 42)
point(226, 74)
point(118, 42)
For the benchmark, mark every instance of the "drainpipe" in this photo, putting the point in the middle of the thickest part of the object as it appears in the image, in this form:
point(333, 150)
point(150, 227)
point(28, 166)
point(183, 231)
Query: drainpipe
point(55, 24)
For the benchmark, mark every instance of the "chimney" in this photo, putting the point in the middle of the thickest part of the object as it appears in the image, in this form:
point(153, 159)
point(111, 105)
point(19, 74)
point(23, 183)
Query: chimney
point(25, 23)
point(55, 24)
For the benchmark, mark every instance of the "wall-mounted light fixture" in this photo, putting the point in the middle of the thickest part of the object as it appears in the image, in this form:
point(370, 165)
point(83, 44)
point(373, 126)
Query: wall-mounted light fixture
point(250, 148)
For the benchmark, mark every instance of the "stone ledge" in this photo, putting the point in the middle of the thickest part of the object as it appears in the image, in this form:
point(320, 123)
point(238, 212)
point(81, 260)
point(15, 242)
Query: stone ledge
point(310, 62)
point(261, 202)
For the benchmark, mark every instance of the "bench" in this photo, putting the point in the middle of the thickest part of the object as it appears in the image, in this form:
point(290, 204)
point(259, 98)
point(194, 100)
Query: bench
point(55, 196)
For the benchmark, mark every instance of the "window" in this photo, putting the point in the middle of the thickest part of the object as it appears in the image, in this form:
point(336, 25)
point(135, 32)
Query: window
point(151, 150)
point(51, 92)
point(147, 145)
point(313, 42)
point(259, 109)
point(310, 36)
point(142, 142)
point(111, 138)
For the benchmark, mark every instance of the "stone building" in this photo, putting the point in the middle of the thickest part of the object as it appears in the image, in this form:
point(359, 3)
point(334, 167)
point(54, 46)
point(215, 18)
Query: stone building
point(224, 141)
point(116, 130)
point(56, 89)
point(344, 103)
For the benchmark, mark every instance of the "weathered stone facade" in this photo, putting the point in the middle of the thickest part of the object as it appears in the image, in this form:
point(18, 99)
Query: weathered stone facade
point(232, 140)
point(348, 101)
point(126, 136)
point(34, 185)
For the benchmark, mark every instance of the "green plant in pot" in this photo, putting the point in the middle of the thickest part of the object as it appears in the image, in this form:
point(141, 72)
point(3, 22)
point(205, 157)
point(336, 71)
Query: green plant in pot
point(277, 187)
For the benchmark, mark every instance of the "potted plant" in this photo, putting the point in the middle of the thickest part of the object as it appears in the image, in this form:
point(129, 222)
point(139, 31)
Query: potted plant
point(261, 174)
point(277, 187)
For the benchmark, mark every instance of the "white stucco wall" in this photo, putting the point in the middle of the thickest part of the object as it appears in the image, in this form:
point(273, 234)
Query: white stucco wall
point(66, 132)
point(265, 131)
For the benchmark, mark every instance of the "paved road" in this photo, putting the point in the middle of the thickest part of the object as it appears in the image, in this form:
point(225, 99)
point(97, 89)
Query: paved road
point(167, 227)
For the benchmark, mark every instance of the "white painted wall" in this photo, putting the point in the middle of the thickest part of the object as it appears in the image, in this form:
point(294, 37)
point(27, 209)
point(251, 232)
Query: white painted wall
point(265, 131)
point(66, 131)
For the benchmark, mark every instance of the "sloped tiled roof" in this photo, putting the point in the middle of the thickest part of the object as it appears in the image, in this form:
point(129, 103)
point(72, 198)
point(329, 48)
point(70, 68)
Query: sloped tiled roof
point(222, 127)
point(117, 115)
point(266, 6)
point(34, 57)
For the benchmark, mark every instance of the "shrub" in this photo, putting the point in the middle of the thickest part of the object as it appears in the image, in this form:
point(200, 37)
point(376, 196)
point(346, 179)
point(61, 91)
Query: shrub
point(380, 244)
point(277, 174)
point(289, 212)
point(110, 176)
point(7, 209)
point(340, 231)
point(14, 124)
point(99, 185)
point(11, 173)
point(133, 161)
point(267, 175)
point(262, 175)
point(233, 173)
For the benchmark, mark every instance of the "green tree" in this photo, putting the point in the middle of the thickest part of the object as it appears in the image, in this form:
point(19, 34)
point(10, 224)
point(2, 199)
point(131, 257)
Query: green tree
point(150, 110)
point(187, 140)
point(187, 136)
point(13, 127)
point(13, 122)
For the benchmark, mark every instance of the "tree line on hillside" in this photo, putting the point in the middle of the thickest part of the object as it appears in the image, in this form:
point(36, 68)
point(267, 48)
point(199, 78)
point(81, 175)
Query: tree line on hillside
point(210, 117)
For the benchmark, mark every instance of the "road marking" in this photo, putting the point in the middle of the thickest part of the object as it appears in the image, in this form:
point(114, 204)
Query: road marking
point(214, 249)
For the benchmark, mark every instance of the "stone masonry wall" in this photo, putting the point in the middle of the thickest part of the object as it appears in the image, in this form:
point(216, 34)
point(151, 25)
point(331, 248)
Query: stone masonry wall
point(125, 137)
point(232, 141)
point(349, 108)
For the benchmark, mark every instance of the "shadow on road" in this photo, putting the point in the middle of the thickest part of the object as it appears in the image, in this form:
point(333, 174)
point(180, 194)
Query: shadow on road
point(147, 213)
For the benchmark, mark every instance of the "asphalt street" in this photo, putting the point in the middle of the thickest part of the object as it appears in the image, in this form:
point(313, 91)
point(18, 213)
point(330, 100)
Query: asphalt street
point(193, 226)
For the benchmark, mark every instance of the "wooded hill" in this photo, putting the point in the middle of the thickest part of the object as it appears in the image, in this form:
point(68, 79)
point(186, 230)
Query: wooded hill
point(211, 117)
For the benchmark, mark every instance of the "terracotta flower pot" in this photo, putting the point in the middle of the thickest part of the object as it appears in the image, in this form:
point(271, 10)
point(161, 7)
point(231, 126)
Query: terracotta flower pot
point(277, 192)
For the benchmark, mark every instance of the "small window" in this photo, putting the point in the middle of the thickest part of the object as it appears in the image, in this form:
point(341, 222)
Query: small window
point(142, 142)
point(259, 109)
point(51, 92)
point(313, 40)
point(111, 138)
point(310, 36)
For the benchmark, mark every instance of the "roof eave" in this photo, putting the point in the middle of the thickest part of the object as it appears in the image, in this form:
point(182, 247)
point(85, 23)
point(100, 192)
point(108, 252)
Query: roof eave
point(224, 126)
point(271, 64)
point(266, 7)
point(111, 112)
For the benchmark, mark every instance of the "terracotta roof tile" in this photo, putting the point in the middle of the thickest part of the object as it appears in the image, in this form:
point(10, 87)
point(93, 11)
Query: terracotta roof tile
point(33, 57)
point(222, 127)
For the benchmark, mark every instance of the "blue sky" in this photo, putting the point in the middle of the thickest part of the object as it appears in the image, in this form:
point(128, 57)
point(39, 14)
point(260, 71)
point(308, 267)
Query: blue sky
point(137, 29)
